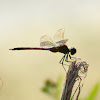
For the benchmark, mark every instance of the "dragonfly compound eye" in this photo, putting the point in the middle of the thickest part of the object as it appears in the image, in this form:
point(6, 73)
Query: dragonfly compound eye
point(73, 51)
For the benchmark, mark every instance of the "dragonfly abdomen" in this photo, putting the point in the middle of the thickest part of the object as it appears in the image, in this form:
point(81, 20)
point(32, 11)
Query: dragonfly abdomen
point(27, 48)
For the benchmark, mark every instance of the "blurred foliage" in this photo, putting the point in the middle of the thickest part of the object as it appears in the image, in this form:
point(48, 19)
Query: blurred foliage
point(93, 93)
point(53, 88)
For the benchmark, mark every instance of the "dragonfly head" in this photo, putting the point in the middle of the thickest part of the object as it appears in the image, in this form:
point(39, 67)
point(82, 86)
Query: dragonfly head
point(72, 50)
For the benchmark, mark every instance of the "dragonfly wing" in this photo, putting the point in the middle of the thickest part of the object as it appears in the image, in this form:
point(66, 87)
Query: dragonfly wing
point(59, 37)
point(61, 42)
point(46, 42)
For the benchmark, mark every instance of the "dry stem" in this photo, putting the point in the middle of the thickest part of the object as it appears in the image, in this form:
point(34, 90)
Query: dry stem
point(77, 72)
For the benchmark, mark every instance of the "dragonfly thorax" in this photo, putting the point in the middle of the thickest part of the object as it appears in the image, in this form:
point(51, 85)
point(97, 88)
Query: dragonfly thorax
point(62, 49)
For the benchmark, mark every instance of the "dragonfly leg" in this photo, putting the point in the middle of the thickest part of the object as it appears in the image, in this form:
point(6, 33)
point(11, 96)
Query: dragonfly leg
point(72, 58)
point(66, 59)
point(64, 67)
point(62, 61)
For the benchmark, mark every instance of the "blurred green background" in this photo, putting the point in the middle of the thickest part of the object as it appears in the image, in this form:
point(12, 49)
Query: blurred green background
point(23, 22)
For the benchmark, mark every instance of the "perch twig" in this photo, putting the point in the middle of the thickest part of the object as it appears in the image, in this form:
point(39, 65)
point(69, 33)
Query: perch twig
point(77, 72)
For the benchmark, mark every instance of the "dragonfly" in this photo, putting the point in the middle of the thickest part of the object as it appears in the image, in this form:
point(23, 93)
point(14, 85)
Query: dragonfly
point(57, 44)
